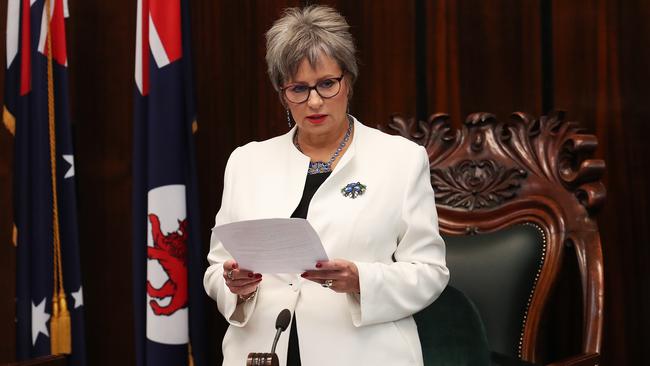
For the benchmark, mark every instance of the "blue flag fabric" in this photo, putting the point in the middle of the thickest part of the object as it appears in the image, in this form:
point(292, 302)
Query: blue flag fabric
point(44, 181)
point(168, 263)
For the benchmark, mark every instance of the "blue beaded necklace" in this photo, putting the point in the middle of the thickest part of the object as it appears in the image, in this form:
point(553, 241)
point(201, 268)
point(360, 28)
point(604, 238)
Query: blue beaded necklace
point(317, 167)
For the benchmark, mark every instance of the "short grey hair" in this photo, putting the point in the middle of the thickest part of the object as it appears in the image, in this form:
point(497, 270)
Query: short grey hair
point(304, 33)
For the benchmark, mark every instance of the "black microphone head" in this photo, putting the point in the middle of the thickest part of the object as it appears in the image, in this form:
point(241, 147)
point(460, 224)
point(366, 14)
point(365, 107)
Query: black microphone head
point(283, 320)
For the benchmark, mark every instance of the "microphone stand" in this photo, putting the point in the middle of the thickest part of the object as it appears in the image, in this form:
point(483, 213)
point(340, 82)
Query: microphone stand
point(271, 359)
point(262, 359)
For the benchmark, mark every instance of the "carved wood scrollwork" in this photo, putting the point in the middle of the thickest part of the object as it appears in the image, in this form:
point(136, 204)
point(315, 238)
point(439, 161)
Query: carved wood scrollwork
point(475, 184)
point(481, 166)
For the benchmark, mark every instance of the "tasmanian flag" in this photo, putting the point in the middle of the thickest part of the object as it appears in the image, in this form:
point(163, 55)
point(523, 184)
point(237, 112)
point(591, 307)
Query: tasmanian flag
point(49, 295)
point(168, 264)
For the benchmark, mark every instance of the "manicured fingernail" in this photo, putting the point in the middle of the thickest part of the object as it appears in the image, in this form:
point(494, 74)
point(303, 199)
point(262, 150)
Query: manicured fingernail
point(235, 265)
point(258, 275)
point(304, 275)
point(318, 265)
point(250, 275)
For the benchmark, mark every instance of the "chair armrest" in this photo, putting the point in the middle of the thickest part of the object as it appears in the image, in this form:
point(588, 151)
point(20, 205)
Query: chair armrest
point(591, 359)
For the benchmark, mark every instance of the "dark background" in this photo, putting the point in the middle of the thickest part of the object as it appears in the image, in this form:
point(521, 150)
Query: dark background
point(588, 57)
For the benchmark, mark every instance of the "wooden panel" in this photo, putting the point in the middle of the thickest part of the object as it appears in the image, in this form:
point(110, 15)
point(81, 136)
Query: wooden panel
point(440, 30)
point(628, 211)
point(101, 45)
point(601, 50)
point(483, 56)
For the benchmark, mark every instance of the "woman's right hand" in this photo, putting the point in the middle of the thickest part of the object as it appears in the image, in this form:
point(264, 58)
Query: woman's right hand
point(241, 282)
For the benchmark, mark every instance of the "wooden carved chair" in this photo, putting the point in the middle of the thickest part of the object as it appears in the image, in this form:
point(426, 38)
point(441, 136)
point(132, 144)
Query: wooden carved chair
point(511, 197)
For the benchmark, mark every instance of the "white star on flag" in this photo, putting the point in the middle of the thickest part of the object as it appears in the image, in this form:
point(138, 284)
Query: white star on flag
point(78, 297)
point(39, 320)
point(70, 160)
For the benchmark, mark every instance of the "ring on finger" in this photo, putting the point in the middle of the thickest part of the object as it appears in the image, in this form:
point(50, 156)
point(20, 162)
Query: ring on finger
point(230, 275)
point(327, 283)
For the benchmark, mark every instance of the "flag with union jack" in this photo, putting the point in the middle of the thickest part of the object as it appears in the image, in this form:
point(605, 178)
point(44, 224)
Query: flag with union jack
point(49, 295)
point(168, 262)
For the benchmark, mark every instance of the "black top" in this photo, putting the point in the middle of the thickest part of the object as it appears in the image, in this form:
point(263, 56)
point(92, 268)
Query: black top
point(312, 183)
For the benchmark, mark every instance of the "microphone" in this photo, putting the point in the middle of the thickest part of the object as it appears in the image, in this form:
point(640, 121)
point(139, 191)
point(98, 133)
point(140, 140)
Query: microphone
point(281, 324)
point(271, 359)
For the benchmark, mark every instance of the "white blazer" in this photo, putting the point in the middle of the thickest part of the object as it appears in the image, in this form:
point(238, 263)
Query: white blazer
point(390, 232)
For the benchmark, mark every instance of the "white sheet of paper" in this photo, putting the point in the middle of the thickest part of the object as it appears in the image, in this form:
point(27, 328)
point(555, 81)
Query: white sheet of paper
point(272, 245)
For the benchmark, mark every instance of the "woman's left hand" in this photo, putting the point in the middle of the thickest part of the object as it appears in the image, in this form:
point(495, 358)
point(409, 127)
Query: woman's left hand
point(339, 275)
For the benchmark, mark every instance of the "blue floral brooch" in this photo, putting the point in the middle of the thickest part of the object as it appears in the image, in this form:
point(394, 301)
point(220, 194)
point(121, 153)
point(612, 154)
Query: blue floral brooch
point(353, 190)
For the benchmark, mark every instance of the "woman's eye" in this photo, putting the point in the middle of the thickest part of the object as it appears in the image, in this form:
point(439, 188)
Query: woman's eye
point(326, 84)
point(298, 89)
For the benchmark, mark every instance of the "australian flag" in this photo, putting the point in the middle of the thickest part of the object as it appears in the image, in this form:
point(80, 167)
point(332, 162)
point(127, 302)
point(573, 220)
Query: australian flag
point(49, 294)
point(167, 260)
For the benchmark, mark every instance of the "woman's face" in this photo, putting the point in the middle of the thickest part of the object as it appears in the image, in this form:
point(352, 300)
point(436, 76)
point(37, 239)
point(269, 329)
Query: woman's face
point(318, 115)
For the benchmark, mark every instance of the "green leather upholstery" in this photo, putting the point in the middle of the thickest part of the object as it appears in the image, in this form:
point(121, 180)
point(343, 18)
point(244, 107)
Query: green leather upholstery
point(451, 332)
point(497, 271)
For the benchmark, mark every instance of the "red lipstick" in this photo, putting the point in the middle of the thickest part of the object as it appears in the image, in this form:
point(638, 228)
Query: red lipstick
point(317, 118)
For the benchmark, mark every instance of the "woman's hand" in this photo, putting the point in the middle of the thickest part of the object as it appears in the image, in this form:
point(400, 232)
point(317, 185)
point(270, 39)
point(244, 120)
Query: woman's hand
point(339, 275)
point(240, 281)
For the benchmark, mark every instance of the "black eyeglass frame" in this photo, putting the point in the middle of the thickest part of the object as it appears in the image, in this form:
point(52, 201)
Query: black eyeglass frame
point(310, 88)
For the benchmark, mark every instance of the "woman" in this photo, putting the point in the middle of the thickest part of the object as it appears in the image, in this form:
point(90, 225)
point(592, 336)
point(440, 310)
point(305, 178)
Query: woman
point(368, 196)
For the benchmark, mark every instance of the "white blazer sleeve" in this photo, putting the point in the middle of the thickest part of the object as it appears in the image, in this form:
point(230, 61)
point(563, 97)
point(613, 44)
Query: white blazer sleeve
point(213, 281)
point(419, 274)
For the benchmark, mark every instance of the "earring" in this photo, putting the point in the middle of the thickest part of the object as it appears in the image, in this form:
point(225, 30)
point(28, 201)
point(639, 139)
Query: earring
point(288, 118)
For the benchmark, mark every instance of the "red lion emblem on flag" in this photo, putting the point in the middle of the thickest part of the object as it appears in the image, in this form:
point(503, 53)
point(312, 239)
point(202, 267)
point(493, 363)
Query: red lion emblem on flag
point(170, 251)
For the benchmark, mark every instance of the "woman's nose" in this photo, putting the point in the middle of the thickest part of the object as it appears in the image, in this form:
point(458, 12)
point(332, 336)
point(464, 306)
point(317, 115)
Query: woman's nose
point(314, 99)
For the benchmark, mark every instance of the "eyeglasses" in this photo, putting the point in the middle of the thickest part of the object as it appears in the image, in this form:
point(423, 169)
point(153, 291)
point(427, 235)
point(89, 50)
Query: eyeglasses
point(326, 88)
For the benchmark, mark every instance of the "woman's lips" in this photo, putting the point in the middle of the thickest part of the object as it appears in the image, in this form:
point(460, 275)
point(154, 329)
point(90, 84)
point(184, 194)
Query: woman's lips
point(317, 118)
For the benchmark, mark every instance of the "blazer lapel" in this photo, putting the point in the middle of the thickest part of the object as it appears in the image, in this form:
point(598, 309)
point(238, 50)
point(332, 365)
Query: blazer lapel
point(292, 167)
